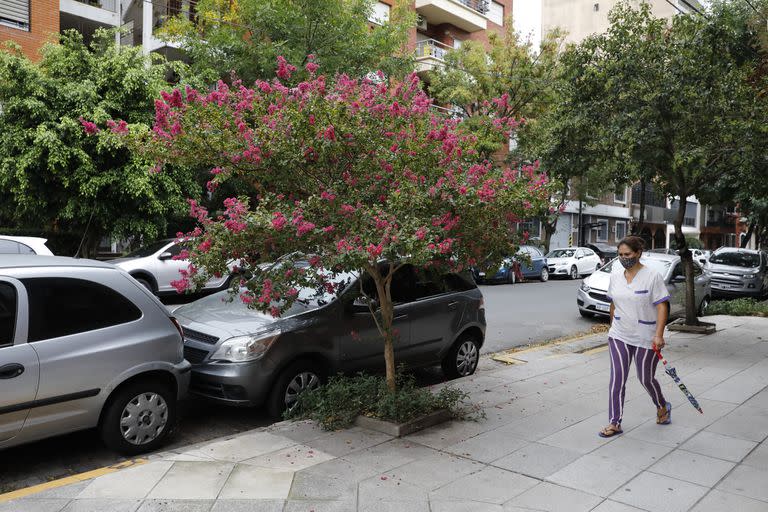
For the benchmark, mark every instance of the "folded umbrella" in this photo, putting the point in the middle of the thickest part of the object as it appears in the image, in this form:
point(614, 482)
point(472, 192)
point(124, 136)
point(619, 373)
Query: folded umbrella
point(670, 370)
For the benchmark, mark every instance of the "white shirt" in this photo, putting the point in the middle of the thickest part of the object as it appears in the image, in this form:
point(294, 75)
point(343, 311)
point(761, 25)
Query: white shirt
point(634, 315)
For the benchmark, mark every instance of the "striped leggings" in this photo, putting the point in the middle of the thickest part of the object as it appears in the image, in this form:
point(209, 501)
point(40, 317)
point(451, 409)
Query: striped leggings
point(621, 359)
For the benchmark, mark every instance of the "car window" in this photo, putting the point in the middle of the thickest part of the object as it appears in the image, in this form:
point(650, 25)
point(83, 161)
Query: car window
point(148, 250)
point(560, 253)
point(13, 247)
point(403, 288)
point(736, 259)
point(579, 253)
point(7, 314)
point(60, 306)
point(588, 252)
point(176, 249)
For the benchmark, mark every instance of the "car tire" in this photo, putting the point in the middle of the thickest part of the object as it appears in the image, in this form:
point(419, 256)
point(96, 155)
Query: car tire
point(511, 277)
point(462, 358)
point(145, 283)
point(544, 276)
point(586, 314)
point(295, 378)
point(574, 273)
point(153, 406)
point(703, 306)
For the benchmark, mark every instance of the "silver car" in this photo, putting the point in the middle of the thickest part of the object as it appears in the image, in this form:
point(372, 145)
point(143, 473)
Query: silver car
point(738, 272)
point(83, 345)
point(592, 300)
point(245, 358)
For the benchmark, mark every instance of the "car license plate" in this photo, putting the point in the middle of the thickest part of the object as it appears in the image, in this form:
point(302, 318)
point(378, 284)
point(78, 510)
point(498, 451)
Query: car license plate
point(603, 307)
point(481, 274)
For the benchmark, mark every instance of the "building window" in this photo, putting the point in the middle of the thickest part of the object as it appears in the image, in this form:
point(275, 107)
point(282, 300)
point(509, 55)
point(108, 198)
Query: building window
point(380, 13)
point(621, 229)
point(15, 13)
point(596, 7)
point(496, 13)
point(620, 196)
point(602, 230)
point(532, 226)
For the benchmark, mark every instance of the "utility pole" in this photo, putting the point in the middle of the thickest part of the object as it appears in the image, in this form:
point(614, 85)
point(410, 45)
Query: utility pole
point(581, 217)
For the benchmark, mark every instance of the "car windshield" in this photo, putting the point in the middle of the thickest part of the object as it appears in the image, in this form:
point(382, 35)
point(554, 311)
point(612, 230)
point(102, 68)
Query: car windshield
point(561, 253)
point(736, 259)
point(148, 250)
point(660, 266)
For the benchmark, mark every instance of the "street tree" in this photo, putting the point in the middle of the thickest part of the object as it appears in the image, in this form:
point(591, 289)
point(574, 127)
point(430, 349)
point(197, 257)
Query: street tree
point(673, 101)
point(350, 175)
point(53, 176)
point(244, 37)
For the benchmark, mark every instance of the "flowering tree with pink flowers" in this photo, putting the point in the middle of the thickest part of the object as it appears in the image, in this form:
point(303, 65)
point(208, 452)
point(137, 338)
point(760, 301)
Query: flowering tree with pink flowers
point(349, 175)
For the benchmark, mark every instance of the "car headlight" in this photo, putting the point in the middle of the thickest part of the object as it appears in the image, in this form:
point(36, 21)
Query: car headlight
point(584, 287)
point(749, 276)
point(245, 348)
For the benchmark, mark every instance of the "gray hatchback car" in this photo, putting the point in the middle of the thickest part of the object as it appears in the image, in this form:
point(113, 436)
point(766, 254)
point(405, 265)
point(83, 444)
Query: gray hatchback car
point(83, 345)
point(242, 357)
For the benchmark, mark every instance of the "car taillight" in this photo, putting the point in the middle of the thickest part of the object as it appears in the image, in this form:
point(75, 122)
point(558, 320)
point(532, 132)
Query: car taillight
point(178, 326)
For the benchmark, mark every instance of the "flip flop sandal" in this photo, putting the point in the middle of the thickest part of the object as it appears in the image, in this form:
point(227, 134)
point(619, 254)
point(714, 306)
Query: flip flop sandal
point(610, 431)
point(660, 415)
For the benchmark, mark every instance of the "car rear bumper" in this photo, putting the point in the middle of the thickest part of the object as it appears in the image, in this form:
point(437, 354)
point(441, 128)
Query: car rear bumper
point(590, 304)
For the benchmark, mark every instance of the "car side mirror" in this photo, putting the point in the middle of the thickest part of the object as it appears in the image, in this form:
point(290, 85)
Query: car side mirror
point(361, 305)
point(165, 256)
point(679, 278)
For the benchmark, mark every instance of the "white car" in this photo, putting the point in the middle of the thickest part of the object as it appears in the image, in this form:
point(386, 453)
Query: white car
point(701, 256)
point(154, 266)
point(24, 245)
point(572, 262)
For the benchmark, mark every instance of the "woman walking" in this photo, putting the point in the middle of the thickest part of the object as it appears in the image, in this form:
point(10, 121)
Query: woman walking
point(638, 316)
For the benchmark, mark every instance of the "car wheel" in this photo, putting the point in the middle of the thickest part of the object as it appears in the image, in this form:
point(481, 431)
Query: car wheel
point(139, 417)
point(544, 277)
point(574, 274)
point(511, 276)
point(586, 314)
point(146, 284)
point(703, 306)
point(461, 360)
point(298, 377)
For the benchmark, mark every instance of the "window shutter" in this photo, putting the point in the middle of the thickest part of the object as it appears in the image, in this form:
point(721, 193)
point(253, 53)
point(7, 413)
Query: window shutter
point(15, 12)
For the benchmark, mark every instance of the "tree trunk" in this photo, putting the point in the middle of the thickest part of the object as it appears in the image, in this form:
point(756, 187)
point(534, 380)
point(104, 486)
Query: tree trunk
point(748, 237)
point(641, 216)
point(549, 230)
point(384, 323)
point(687, 259)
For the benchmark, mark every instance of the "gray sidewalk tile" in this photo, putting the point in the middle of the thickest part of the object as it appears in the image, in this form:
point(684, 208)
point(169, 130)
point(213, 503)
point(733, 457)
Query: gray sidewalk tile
point(102, 504)
point(388, 488)
point(693, 467)
point(746, 481)
point(538, 460)
point(436, 470)
point(34, 505)
point(668, 435)
point(490, 485)
point(251, 482)
point(657, 493)
point(594, 474)
point(759, 457)
point(65, 491)
point(248, 506)
point(632, 452)
point(176, 506)
point(488, 446)
point(464, 506)
point(307, 486)
point(538, 426)
point(446, 434)
point(742, 423)
point(555, 498)
point(718, 501)
point(341, 469)
point(685, 415)
point(615, 506)
point(299, 431)
point(242, 447)
point(738, 389)
point(581, 437)
point(719, 446)
point(344, 442)
point(192, 481)
point(134, 482)
point(318, 506)
point(293, 458)
point(389, 455)
point(395, 506)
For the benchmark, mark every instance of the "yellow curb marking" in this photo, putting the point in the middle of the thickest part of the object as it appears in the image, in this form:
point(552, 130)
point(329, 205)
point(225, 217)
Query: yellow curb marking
point(507, 358)
point(80, 477)
point(595, 350)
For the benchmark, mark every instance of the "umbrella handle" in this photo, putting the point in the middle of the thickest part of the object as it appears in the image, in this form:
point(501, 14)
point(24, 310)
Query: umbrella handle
point(658, 354)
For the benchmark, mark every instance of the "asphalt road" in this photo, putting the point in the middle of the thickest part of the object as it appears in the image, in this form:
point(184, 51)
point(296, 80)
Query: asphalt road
point(517, 315)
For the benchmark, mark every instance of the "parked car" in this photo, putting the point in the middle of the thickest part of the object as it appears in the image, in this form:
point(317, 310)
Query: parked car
point(701, 256)
point(738, 272)
point(572, 262)
point(24, 245)
point(606, 251)
point(154, 267)
point(592, 300)
point(662, 250)
point(530, 260)
point(245, 358)
point(82, 345)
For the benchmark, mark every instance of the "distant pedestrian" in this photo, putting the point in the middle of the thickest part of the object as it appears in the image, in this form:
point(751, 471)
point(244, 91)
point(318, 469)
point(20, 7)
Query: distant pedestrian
point(638, 316)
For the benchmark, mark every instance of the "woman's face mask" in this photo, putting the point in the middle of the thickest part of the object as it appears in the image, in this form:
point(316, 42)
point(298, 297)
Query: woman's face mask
point(628, 262)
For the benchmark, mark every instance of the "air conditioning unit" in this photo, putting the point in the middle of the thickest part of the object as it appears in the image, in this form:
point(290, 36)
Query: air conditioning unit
point(421, 23)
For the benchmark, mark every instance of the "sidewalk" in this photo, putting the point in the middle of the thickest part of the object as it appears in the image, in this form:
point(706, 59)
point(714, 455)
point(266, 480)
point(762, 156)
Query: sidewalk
point(538, 449)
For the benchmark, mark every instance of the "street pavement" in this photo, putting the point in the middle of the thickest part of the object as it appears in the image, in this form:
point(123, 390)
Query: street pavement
point(537, 448)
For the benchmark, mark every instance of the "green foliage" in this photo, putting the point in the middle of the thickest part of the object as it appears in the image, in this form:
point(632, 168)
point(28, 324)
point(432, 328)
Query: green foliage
point(690, 241)
point(53, 176)
point(337, 404)
point(245, 37)
point(738, 307)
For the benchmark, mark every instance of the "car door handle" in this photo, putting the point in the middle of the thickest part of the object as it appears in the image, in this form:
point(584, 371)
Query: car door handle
point(452, 305)
point(10, 371)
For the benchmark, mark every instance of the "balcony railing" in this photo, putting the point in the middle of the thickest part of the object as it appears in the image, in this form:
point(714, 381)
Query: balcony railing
point(431, 48)
point(109, 5)
point(480, 6)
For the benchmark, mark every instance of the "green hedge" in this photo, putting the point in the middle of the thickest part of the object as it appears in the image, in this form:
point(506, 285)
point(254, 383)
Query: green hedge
point(738, 307)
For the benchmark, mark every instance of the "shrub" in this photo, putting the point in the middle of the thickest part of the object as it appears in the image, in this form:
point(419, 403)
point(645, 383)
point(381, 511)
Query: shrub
point(738, 307)
point(338, 403)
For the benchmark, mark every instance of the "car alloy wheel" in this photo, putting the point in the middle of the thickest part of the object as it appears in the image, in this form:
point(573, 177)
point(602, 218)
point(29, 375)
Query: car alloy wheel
point(304, 381)
point(544, 275)
point(144, 418)
point(574, 272)
point(703, 306)
point(466, 358)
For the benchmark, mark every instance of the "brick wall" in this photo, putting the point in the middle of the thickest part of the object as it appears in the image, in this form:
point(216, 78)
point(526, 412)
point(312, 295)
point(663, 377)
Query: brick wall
point(44, 26)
